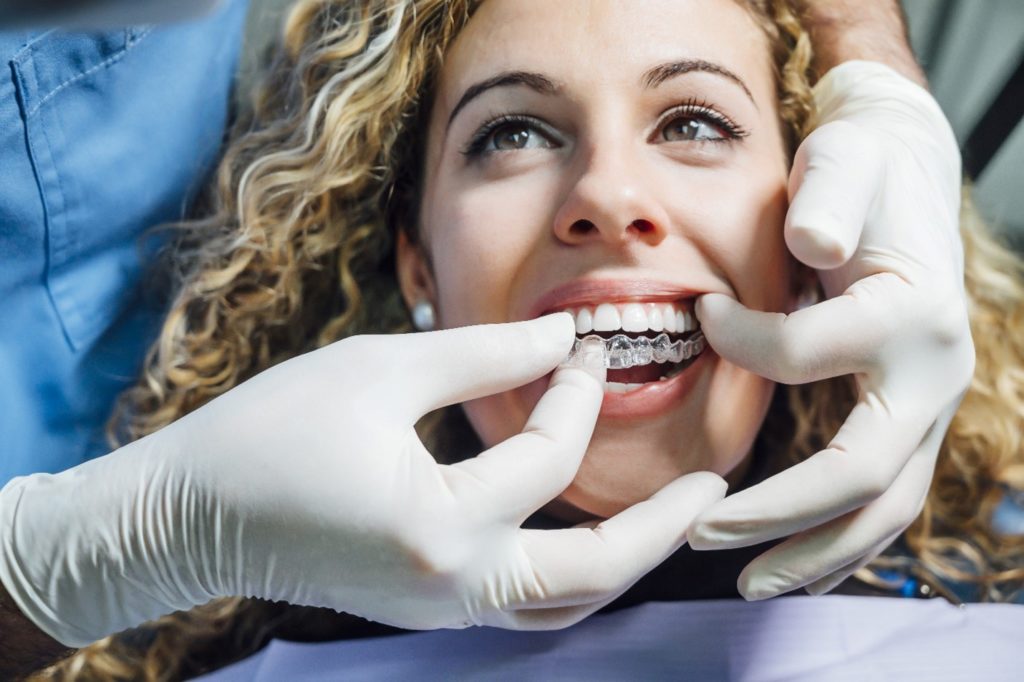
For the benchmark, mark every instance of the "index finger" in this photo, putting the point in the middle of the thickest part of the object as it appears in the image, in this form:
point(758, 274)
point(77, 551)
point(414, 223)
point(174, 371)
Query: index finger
point(518, 476)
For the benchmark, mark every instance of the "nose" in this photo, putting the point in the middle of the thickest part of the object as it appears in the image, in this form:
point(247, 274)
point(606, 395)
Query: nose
point(610, 202)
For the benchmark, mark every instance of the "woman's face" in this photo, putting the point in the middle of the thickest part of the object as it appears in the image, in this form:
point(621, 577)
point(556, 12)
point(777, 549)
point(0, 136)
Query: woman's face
point(622, 158)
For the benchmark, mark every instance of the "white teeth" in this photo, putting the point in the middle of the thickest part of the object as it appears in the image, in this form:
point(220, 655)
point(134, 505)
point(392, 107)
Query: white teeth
point(654, 318)
point(670, 318)
point(634, 318)
point(615, 387)
point(584, 321)
point(607, 318)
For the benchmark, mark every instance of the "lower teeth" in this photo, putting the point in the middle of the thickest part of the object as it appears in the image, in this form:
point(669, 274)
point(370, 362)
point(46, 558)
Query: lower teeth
point(675, 370)
point(614, 387)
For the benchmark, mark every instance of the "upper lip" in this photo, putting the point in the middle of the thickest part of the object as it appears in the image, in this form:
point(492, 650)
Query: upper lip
point(594, 291)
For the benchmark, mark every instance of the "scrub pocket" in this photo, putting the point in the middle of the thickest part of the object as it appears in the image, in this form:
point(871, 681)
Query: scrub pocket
point(68, 91)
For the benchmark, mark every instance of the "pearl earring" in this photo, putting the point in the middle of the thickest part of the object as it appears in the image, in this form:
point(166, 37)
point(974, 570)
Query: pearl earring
point(423, 315)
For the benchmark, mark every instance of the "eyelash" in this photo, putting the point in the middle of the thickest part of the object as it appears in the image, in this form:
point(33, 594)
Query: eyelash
point(692, 108)
point(701, 109)
point(476, 145)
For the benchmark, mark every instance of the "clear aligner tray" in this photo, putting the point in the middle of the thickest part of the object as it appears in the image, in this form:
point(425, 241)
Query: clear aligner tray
point(622, 352)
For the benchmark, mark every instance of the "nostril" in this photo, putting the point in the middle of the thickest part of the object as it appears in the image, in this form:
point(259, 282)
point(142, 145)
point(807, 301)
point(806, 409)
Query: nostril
point(581, 227)
point(642, 226)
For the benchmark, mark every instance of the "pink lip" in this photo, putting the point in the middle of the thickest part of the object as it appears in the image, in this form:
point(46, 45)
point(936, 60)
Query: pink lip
point(582, 292)
point(653, 399)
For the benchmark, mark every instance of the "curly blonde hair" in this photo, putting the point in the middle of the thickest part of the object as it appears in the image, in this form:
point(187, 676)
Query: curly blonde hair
point(319, 178)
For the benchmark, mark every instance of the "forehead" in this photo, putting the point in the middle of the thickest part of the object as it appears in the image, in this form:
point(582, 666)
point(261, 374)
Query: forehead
point(594, 43)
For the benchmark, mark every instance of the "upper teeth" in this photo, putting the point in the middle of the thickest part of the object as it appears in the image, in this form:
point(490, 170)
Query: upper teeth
point(634, 317)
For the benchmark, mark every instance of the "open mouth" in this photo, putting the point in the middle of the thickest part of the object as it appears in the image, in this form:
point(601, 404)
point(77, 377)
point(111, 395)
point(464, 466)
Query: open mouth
point(644, 342)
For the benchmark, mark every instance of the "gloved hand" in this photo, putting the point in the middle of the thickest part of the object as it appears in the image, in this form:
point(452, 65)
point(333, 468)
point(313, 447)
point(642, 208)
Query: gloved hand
point(875, 198)
point(309, 484)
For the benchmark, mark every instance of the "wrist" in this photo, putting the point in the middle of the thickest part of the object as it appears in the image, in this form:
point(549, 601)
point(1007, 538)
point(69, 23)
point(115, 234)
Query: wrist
point(846, 30)
point(899, 112)
point(98, 548)
point(24, 648)
point(866, 89)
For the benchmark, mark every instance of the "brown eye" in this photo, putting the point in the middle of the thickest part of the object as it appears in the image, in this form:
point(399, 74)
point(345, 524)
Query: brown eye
point(511, 137)
point(517, 136)
point(512, 133)
point(688, 128)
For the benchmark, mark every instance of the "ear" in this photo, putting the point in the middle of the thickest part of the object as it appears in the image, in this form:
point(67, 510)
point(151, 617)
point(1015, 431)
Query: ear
point(413, 270)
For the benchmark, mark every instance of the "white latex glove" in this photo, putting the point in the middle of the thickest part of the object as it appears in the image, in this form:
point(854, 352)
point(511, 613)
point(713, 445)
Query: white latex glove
point(309, 484)
point(875, 198)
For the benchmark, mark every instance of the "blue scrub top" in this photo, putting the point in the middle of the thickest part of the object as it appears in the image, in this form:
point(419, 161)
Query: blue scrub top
point(102, 136)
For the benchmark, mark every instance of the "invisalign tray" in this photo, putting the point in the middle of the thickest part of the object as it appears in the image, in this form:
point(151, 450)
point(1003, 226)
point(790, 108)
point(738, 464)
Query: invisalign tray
point(622, 352)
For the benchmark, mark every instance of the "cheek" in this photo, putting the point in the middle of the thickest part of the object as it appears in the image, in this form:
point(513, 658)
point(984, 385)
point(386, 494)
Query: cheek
point(737, 403)
point(475, 257)
point(482, 241)
point(744, 238)
point(486, 242)
point(497, 418)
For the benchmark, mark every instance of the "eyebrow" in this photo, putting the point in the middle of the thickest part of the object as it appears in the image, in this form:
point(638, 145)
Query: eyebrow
point(663, 72)
point(652, 78)
point(534, 81)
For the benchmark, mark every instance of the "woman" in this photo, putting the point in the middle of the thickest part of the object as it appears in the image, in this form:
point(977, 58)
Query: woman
point(550, 161)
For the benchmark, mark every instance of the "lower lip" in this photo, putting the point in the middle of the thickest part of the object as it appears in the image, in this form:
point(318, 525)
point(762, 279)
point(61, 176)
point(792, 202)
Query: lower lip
point(655, 397)
point(650, 400)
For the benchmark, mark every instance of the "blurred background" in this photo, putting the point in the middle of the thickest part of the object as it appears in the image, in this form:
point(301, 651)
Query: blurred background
point(973, 53)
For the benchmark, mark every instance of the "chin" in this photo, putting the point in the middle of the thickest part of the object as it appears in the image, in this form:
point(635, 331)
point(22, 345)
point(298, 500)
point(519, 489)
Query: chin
point(632, 455)
point(627, 464)
point(579, 502)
